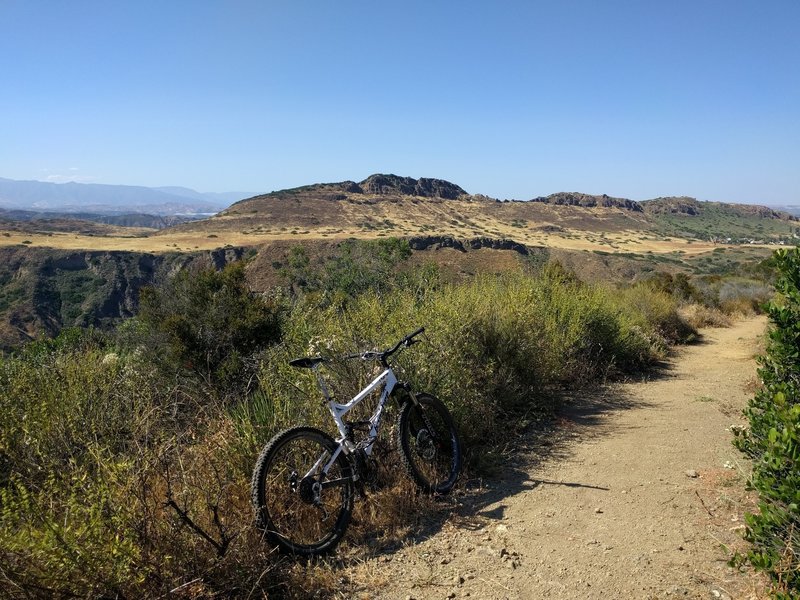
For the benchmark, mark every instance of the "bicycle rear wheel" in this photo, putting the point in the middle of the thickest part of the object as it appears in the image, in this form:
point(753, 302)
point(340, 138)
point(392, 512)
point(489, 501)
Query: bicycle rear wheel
point(300, 509)
point(429, 444)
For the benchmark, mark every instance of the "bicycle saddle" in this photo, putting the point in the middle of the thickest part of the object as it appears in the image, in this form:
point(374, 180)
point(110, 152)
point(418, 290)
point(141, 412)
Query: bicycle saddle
point(306, 363)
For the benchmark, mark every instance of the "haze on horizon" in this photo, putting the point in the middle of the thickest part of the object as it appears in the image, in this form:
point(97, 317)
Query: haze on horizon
point(513, 100)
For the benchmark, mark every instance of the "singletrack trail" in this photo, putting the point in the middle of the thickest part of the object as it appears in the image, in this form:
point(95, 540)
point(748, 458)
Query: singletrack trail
point(637, 492)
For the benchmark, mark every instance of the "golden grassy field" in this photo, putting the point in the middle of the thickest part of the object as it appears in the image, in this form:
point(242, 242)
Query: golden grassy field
point(171, 241)
point(215, 233)
point(327, 213)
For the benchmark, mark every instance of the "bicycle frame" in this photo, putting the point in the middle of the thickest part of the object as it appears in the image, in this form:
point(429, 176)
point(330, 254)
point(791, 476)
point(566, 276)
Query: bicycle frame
point(388, 380)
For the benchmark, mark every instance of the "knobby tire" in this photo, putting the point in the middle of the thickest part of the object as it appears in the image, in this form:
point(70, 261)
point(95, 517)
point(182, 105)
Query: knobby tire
point(284, 503)
point(429, 445)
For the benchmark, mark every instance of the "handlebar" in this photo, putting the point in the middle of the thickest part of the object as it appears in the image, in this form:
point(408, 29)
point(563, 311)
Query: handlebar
point(382, 356)
point(405, 342)
point(311, 362)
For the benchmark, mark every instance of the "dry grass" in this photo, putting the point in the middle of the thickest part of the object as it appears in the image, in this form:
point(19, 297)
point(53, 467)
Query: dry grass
point(699, 316)
point(213, 238)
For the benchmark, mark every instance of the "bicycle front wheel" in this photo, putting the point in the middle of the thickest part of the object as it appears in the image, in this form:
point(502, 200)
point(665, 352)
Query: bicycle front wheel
point(300, 508)
point(429, 444)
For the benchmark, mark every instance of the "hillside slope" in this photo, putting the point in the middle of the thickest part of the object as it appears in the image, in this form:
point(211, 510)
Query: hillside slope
point(690, 218)
point(384, 205)
point(43, 291)
point(390, 205)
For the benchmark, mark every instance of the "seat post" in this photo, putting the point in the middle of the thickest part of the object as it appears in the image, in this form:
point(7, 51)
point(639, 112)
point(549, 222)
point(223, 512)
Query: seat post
point(321, 382)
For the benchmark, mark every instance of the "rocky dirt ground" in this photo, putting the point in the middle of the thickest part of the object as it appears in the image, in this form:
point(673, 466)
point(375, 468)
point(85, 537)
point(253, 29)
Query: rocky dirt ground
point(636, 492)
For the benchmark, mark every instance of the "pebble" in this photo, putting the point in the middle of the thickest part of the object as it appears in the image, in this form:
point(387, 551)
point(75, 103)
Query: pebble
point(598, 510)
point(692, 473)
point(677, 591)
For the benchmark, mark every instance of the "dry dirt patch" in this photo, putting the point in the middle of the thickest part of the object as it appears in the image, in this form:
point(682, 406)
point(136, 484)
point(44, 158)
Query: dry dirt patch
point(635, 493)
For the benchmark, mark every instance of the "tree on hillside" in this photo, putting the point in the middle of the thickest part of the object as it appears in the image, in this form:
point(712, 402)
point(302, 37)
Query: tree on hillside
point(210, 324)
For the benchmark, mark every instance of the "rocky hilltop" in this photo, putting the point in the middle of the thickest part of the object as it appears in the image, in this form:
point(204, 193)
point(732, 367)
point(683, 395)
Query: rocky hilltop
point(687, 206)
point(423, 187)
point(392, 205)
point(588, 201)
point(375, 185)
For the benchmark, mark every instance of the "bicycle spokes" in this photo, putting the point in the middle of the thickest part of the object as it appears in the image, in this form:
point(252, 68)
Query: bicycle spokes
point(429, 444)
point(299, 507)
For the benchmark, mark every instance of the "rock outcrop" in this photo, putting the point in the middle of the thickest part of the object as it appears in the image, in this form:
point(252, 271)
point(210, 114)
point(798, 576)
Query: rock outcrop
point(677, 205)
point(589, 201)
point(439, 241)
point(423, 187)
point(687, 206)
point(435, 241)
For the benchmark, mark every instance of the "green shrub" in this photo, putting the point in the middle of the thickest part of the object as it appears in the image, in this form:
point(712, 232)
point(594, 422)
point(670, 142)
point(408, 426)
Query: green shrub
point(677, 285)
point(773, 438)
point(68, 537)
point(357, 266)
point(56, 403)
point(106, 490)
point(655, 314)
point(210, 325)
point(495, 345)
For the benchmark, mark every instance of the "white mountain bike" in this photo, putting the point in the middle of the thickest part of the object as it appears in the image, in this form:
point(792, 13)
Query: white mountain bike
point(304, 481)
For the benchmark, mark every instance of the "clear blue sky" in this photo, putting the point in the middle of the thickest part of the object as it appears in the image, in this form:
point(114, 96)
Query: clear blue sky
point(513, 99)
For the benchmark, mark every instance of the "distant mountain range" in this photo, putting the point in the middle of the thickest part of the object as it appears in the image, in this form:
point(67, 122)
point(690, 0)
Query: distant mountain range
point(58, 221)
point(791, 209)
point(110, 199)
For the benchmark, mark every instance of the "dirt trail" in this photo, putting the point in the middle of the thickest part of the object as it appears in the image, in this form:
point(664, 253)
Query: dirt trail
point(633, 495)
